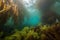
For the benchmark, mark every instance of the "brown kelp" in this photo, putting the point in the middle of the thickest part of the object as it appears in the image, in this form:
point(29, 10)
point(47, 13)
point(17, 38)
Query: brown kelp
point(45, 32)
point(49, 29)
point(7, 9)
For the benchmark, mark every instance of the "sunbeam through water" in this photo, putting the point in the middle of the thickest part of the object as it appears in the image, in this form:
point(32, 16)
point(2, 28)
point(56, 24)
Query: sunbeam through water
point(33, 14)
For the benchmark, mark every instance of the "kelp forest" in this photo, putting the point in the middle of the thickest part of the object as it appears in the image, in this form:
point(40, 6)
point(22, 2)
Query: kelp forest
point(29, 19)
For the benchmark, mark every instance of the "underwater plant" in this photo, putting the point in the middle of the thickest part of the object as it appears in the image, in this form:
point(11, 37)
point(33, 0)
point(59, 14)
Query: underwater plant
point(11, 15)
point(45, 32)
point(7, 10)
point(14, 36)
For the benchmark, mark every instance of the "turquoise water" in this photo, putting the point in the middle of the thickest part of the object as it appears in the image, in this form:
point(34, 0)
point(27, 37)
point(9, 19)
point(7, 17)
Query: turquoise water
point(33, 15)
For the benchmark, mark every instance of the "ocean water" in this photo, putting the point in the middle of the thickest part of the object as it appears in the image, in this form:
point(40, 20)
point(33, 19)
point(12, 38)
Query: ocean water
point(32, 18)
